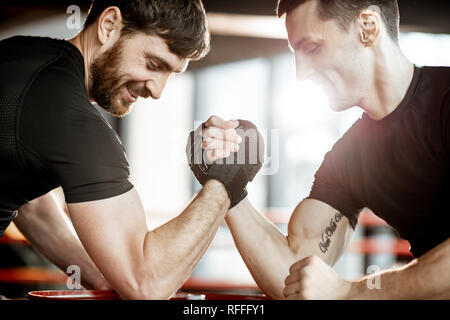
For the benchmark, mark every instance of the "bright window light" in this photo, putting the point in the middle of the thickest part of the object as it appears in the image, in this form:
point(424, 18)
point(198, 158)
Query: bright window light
point(426, 49)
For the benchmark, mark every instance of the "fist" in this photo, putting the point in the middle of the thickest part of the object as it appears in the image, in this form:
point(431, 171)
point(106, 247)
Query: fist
point(312, 279)
point(213, 152)
point(219, 138)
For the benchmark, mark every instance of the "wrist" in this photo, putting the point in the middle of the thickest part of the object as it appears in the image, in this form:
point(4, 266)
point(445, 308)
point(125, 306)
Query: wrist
point(239, 207)
point(217, 189)
point(357, 290)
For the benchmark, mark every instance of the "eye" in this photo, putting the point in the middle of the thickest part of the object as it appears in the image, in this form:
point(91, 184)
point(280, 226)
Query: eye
point(312, 49)
point(153, 65)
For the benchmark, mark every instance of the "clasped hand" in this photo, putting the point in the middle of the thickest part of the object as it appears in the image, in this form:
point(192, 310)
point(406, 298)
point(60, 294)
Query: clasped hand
point(229, 151)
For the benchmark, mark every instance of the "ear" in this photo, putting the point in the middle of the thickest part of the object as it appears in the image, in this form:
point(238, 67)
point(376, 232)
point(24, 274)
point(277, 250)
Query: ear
point(370, 26)
point(109, 24)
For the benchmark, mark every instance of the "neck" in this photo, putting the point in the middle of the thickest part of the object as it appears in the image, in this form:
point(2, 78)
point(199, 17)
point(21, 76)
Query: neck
point(86, 44)
point(392, 76)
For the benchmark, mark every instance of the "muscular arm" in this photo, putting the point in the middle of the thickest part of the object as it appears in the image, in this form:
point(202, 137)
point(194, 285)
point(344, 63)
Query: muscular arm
point(143, 264)
point(427, 277)
point(315, 229)
point(47, 227)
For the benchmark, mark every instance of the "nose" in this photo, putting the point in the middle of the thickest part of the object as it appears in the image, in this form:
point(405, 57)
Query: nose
point(302, 67)
point(156, 86)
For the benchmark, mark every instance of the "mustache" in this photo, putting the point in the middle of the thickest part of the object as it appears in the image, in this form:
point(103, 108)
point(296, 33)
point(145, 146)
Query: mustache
point(138, 90)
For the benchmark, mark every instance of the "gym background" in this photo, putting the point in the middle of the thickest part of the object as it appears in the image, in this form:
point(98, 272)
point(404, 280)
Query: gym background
point(249, 74)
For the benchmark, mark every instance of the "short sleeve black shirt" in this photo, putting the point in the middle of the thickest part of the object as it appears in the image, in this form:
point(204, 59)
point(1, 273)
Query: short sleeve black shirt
point(50, 133)
point(398, 166)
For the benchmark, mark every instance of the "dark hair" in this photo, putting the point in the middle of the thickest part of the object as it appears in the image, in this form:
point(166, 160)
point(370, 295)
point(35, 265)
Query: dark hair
point(345, 11)
point(181, 23)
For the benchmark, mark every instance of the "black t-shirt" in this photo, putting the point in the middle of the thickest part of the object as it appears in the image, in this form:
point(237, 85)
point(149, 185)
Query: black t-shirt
point(50, 133)
point(398, 166)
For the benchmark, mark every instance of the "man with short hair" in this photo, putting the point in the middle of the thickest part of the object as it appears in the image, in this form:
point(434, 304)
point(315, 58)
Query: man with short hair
point(394, 160)
point(51, 136)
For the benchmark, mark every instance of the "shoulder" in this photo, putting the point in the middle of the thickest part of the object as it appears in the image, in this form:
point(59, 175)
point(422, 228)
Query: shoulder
point(337, 160)
point(57, 116)
point(349, 139)
point(57, 98)
point(57, 89)
point(443, 73)
point(30, 55)
point(435, 81)
point(435, 87)
point(45, 70)
point(343, 156)
point(24, 59)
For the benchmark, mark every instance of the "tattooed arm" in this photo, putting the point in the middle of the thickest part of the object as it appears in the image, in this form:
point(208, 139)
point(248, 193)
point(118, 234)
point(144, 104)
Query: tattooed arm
point(315, 229)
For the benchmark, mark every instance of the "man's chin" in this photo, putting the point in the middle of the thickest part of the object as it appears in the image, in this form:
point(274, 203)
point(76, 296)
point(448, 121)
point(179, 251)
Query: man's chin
point(118, 111)
point(122, 112)
point(337, 104)
point(336, 100)
point(338, 107)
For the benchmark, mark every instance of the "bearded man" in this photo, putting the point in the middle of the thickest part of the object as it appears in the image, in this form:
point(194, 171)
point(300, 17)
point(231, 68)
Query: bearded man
point(52, 136)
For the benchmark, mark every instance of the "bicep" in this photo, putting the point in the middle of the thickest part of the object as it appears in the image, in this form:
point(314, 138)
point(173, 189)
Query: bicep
point(317, 229)
point(112, 231)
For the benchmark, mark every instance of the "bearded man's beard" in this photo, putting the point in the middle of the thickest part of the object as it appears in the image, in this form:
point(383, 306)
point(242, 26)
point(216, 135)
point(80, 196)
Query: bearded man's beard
point(106, 82)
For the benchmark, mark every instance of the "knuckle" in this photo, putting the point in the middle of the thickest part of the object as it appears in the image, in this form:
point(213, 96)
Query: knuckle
point(209, 155)
point(205, 144)
point(211, 132)
point(292, 268)
point(205, 132)
point(214, 120)
point(231, 132)
point(309, 260)
point(209, 140)
point(298, 293)
point(231, 146)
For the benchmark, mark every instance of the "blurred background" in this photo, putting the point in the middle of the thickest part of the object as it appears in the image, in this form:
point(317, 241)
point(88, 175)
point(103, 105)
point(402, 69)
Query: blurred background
point(249, 74)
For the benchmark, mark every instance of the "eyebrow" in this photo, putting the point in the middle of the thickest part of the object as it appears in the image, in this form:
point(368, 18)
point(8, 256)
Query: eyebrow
point(165, 65)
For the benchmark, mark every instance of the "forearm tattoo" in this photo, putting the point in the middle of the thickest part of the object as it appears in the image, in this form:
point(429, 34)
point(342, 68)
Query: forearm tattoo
point(329, 232)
